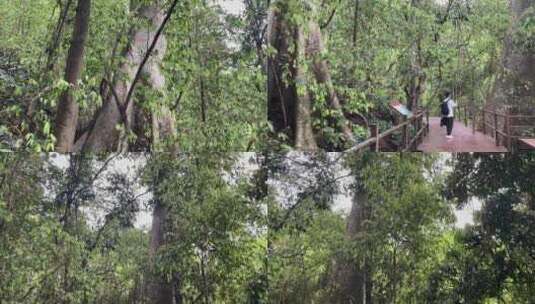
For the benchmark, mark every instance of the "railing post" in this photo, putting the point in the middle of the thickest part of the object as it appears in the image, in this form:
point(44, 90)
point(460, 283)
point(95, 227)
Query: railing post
point(427, 121)
point(508, 130)
point(375, 134)
point(378, 141)
point(473, 115)
point(496, 134)
point(421, 128)
point(484, 119)
point(406, 135)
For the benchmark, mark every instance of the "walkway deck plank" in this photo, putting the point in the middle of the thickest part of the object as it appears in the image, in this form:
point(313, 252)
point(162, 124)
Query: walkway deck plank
point(526, 143)
point(463, 139)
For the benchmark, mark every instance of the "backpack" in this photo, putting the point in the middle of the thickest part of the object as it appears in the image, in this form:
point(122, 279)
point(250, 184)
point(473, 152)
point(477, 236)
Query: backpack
point(444, 109)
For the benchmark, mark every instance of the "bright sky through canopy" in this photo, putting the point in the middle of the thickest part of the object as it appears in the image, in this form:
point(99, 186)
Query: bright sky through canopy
point(234, 7)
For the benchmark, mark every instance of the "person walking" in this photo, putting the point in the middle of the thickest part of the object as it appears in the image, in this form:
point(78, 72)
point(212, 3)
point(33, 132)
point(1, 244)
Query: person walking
point(448, 113)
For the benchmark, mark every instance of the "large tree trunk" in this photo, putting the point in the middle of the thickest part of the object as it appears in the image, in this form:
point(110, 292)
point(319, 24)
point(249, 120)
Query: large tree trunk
point(104, 134)
point(351, 276)
point(281, 93)
point(158, 289)
point(67, 115)
point(416, 79)
point(304, 136)
point(289, 102)
point(315, 48)
point(516, 84)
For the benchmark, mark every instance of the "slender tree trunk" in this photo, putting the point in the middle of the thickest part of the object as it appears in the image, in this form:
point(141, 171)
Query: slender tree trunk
point(355, 23)
point(203, 99)
point(52, 48)
point(67, 115)
point(415, 80)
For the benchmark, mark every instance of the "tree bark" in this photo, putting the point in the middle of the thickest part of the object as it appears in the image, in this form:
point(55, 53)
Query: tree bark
point(304, 137)
point(352, 276)
point(415, 86)
point(104, 134)
point(516, 84)
point(315, 48)
point(67, 115)
point(159, 290)
point(289, 102)
point(281, 93)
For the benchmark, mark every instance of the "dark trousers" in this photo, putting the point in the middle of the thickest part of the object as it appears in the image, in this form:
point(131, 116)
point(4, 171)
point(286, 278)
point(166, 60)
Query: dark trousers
point(449, 124)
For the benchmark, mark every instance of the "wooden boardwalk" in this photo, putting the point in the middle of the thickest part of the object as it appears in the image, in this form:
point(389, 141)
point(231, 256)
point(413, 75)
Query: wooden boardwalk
point(526, 144)
point(464, 140)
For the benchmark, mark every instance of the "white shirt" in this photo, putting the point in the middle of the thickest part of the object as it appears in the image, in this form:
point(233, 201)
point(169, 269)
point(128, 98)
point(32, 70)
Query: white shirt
point(451, 105)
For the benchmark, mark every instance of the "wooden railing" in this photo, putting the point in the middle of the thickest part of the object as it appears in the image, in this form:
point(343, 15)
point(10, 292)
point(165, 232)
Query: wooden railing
point(467, 115)
point(501, 126)
point(408, 142)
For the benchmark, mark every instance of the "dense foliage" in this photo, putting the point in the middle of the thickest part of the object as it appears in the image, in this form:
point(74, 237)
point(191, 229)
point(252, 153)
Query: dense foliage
point(70, 232)
point(496, 257)
point(215, 67)
point(267, 228)
point(398, 242)
point(380, 51)
point(212, 69)
point(51, 251)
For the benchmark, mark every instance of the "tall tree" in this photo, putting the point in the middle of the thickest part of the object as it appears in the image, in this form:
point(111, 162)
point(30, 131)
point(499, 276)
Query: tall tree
point(516, 84)
point(316, 49)
point(416, 75)
point(147, 47)
point(159, 290)
point(394, 207)
point(350, 275)
point(289, 102)
point(297, 47)
point(67, 113)
point(499, 246)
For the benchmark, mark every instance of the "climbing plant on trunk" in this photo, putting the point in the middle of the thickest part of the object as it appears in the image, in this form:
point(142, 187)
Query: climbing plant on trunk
point(143, 56)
